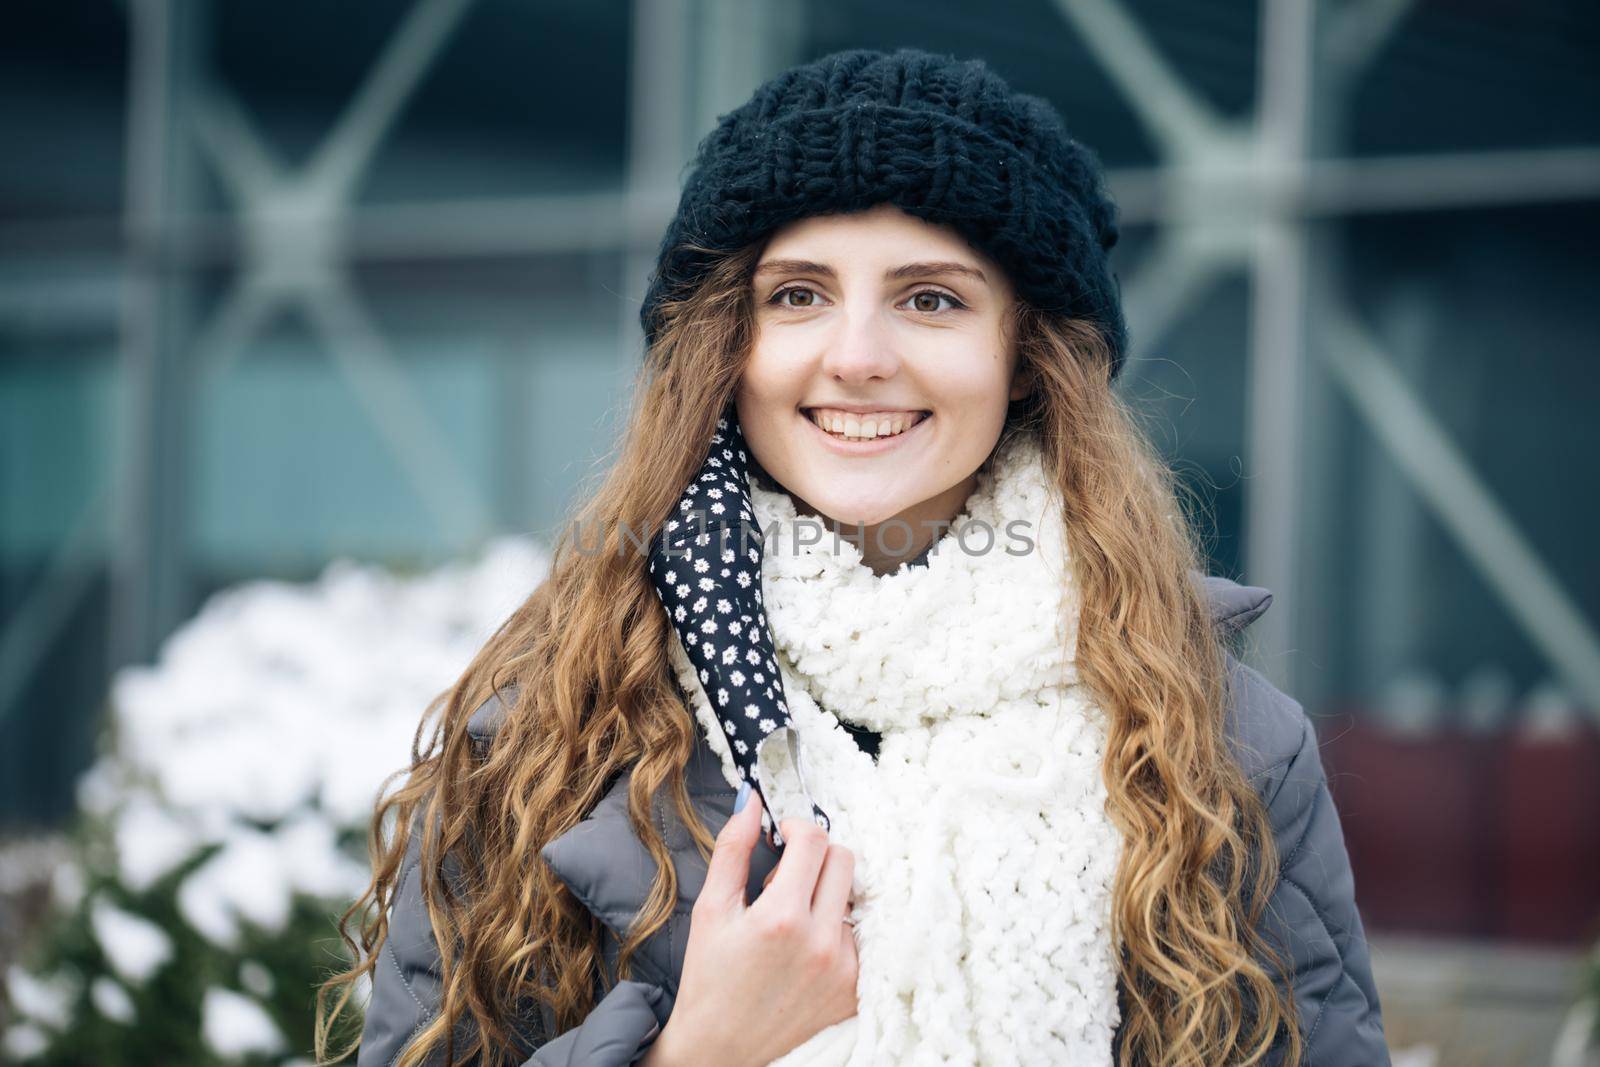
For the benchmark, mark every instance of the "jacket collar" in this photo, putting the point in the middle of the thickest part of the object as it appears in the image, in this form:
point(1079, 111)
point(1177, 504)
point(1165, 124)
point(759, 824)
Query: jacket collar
point(1234, 606)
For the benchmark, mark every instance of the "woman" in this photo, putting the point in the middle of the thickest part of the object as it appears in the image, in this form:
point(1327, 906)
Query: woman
point(1026, 805)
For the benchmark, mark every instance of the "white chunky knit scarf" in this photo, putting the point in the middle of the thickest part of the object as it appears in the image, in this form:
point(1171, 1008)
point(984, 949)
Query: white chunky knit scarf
point(984, 854)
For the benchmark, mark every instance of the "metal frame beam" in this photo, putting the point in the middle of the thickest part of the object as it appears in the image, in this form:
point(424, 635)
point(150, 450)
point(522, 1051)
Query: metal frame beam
point(295, 234)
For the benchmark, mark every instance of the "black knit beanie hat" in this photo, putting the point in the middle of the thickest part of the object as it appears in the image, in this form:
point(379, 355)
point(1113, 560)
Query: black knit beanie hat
point(945, 139)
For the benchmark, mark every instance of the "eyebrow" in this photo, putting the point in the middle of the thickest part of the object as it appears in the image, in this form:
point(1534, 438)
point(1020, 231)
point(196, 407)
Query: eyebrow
point(907, 270)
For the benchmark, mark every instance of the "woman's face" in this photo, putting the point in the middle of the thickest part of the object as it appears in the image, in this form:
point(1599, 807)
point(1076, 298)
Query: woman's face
point(880, 375)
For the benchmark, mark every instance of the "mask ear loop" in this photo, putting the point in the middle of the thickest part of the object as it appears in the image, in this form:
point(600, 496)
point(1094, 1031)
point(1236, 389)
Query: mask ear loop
point(797, 760)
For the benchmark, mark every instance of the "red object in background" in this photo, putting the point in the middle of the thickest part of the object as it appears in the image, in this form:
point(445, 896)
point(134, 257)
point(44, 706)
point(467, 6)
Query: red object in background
point(1418, 817)
point(1478, 835)
point(1551, 828)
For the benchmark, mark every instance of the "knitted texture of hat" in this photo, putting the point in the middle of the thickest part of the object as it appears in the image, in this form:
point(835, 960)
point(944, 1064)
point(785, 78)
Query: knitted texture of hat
point(946, 140)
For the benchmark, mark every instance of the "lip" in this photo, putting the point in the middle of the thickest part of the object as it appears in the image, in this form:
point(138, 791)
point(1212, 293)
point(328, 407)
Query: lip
point(856, 409)
point(876, 446)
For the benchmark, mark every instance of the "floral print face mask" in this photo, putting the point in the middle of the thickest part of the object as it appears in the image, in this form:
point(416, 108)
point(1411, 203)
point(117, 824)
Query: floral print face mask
point(706, 567)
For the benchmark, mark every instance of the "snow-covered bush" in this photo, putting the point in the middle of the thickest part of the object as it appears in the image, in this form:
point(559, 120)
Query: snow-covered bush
point(223, 826)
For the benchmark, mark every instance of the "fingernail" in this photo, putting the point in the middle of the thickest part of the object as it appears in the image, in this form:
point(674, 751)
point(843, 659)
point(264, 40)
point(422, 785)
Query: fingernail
point(742, 799)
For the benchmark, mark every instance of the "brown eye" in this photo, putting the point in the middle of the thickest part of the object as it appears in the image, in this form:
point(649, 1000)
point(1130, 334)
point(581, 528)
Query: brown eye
point(928, 301)
point(782, 297)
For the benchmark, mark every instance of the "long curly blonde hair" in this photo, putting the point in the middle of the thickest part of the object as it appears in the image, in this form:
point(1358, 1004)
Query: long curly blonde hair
point(586, 654)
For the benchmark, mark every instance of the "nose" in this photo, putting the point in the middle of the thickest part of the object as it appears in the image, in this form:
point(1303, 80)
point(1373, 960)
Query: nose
point(860, 350)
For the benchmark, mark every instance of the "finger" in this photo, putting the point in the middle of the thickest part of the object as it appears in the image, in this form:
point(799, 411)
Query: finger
point(805, 845)
point(831, 897)
point(729, 870)
point(849, 952)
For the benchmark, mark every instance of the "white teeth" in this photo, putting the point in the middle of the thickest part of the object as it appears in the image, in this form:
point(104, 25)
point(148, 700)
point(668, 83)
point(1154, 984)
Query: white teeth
point(852, 426)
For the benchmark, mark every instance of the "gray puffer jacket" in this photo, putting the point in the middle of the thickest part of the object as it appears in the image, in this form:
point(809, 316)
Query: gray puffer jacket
point(1311, 920)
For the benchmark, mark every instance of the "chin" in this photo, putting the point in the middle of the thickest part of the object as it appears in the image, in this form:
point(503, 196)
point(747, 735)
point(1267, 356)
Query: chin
point(852, 510)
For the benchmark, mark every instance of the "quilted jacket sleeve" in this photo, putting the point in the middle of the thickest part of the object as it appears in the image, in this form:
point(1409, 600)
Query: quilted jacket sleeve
point(406, 993)
point(1311, 920)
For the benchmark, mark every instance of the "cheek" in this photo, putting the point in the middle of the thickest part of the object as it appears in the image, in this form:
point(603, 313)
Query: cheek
point(975, 385)
point(767, 393)
point(769, 379)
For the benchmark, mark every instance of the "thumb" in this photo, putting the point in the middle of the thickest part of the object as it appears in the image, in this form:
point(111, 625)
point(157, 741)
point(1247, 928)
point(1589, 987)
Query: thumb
point(729, 870)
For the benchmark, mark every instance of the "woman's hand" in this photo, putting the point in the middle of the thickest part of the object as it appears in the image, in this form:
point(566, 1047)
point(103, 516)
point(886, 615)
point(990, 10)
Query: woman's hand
point(761, 979)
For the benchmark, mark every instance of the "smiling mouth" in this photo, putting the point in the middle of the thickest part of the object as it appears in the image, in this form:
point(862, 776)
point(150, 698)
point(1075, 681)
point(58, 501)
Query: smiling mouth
point(855, 426)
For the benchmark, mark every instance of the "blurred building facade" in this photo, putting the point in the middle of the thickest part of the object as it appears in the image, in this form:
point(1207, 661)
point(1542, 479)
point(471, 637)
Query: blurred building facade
point(286, 282)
